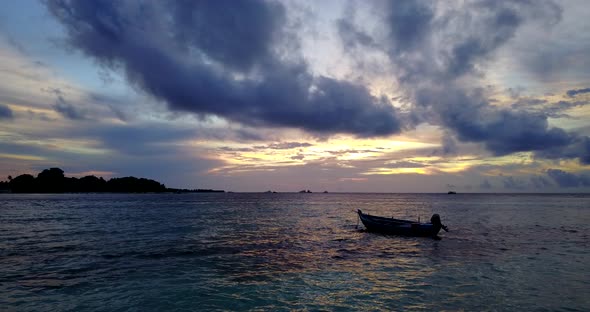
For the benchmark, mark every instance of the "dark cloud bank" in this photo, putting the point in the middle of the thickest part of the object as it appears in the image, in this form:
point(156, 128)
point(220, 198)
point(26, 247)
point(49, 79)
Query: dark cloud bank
point(433, 51)
point(574, 92)
point(225, 58)
point(239, 60)
point(5, 112)
point(566, 179)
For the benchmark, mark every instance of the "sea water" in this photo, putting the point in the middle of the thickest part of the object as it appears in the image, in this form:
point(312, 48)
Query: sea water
point(283, 252)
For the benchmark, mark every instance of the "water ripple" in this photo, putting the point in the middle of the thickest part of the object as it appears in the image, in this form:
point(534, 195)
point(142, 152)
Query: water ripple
point(285, 252)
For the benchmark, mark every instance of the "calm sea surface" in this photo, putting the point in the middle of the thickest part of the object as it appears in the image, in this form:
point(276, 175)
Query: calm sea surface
point(282, 252)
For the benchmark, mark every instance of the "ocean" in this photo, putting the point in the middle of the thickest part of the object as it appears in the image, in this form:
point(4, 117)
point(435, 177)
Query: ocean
point(285, 252)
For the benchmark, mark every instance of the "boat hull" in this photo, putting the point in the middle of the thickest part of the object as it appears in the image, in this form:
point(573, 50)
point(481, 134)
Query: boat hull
point(391, 226)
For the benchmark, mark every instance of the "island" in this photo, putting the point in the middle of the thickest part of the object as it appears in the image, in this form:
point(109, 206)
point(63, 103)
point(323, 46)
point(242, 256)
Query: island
point(53, 180)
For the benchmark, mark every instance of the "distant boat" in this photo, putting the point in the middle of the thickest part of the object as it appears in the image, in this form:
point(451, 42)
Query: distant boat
point(305, 191)
point(451, 192)
point(401, 227)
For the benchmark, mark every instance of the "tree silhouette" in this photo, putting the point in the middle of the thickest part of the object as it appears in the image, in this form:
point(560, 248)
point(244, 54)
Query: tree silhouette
point(134, 185)
point(24, 183)
point(53, 181)
point(92, 184)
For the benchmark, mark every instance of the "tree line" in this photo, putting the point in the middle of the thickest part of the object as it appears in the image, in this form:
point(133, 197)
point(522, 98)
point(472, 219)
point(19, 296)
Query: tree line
point(53, 180)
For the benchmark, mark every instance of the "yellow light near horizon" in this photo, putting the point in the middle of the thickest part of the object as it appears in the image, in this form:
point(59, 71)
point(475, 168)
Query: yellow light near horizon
point(73, 146)
point(20, 157)
point(453, 167)
point(390, 171)
point(239, 156)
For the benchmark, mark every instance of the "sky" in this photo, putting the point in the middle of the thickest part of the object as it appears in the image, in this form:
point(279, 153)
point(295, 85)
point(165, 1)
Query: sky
point(343, 96)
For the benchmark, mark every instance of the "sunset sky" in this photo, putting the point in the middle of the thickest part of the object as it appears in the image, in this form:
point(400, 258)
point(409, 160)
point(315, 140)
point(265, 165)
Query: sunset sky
point(344, 96)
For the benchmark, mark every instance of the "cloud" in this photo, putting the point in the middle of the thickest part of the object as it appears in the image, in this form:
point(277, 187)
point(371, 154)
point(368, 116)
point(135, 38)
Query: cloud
point(68, 110)
point(438, 54)
point(5, 112)
point(566, 179)
point(578, 148)
point(404, 164)
point(286, 145)
point(237, 35)
point(513, 183)
point(427, 42)
point(573, 93)
point(526, 103)
point(485, 185)
point(539, 182)
point(449, 145)
point(502, 131)
point(113, 103)
point(557, 55)
point(409, 23)
point(233, 60)
point(351, 36)
point(141, 139)
point(544, 107)
point(156, 150)
point(298, 157)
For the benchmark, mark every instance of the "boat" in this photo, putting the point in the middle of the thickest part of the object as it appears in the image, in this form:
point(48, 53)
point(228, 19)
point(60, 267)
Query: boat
point(393, 226)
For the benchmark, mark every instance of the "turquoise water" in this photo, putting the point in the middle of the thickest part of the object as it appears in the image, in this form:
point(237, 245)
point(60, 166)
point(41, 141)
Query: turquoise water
point(283, 252)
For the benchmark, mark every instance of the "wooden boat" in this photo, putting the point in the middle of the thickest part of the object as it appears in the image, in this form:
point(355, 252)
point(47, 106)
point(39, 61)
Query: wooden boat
point(401, 227)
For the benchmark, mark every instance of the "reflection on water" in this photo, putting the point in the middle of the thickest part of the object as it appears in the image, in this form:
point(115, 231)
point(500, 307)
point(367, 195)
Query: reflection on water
point(291, 251)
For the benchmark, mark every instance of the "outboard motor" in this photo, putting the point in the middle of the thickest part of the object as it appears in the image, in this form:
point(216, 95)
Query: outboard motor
point(435, 220)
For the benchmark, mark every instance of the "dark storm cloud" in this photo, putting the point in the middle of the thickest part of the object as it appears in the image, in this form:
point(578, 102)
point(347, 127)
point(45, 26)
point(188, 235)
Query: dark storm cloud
point(566, 179)
point(427, 45)
point(238, 34)
point(234, 60)
point(565, 105)
point(502, 131)
point(572, 93)
point(498, 25)
point(5, 112)
point(409, 23)
point(578, 148)
point(433, 48)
